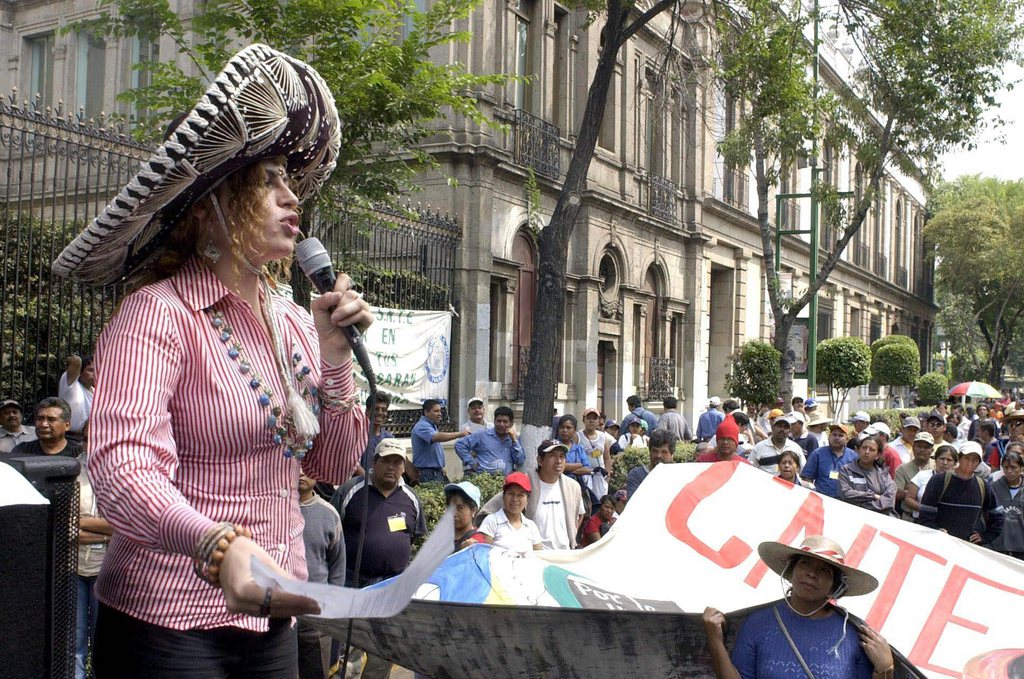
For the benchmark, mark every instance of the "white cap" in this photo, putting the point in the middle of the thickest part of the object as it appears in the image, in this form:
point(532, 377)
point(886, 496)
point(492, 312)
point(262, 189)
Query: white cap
point(796, 416)
point(861, 416)
point(715, 401)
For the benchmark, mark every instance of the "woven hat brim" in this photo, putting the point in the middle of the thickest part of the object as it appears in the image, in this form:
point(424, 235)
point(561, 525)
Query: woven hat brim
point(777, 555)
point(264, 104)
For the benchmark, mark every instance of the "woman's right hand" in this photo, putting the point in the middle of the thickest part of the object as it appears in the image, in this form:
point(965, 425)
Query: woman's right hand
point(241, 592)
point(714, 625)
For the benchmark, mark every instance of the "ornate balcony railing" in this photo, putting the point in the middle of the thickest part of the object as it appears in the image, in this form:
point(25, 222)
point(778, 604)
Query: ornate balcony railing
point(537, 145)
point(861, 256)
point(790, 215)
point(661, 378)
point(901, 276)
point(881, 265)
point(662, 198)
point(734, 188)
point(516, 388)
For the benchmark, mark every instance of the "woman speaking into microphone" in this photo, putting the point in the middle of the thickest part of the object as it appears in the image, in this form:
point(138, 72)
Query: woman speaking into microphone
point(213, 391)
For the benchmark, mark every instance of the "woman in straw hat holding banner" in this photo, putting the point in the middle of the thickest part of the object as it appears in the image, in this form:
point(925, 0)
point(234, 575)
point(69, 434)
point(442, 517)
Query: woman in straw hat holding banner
point(804, 634)
point(212, 390)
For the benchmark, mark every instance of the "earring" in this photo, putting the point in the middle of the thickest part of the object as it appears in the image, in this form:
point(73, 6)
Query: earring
point(210, 251)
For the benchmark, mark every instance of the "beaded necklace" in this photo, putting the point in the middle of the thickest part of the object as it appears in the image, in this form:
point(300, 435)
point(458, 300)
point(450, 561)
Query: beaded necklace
point(282, 428)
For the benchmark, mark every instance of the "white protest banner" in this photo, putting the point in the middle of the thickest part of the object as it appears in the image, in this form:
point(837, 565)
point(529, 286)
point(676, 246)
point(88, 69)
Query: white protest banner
point(410, 352)
point(688, 539)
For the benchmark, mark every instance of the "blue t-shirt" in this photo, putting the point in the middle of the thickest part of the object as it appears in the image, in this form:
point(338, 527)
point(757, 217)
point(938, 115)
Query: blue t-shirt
point(823, 468)
point(426, 454)
point(762, 651)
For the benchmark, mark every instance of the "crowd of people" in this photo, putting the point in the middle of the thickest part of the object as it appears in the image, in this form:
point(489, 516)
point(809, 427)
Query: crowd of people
point(956, 469)
point(217, 425)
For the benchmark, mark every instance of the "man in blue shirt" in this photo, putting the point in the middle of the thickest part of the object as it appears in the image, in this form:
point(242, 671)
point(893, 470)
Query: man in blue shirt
point(638, 412)
point(492, 450)
point(377, 431)
point(708, 422)
point(427, 454)
point(824, 463)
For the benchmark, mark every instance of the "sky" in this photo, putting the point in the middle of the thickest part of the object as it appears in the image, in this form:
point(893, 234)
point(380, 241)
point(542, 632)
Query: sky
point(992, 158)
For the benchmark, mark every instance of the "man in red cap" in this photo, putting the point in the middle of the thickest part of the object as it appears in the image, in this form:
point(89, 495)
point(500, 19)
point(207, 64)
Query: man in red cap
point(727, 438)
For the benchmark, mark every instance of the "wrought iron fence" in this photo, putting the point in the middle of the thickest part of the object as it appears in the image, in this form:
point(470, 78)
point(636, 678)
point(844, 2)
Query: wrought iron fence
point(516, 389)
point(537, 144)
point(734, 188)
point(662, 197)
point(59, 171)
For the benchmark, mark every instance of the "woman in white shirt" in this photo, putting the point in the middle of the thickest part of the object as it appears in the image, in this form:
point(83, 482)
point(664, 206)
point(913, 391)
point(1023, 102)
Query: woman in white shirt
point(507, 527)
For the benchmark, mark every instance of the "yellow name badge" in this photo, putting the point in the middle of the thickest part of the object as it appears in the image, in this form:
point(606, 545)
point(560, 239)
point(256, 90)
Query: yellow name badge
point(833, 474)
point(396, 523)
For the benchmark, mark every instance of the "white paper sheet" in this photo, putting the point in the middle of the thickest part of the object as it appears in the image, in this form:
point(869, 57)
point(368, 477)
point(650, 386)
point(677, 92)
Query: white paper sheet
point(381, 601)
point(15, 489)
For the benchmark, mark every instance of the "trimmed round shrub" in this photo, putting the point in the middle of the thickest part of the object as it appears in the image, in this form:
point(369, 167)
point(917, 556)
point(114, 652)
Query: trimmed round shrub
point(932, 387)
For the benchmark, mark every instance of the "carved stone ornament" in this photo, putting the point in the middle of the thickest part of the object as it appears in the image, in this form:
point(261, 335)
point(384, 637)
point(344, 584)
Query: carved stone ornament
point(610, 308)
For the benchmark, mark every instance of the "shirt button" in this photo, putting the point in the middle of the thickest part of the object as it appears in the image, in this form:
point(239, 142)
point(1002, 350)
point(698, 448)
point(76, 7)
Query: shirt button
point(330, 382)
point(284, 492)
point(281, 547)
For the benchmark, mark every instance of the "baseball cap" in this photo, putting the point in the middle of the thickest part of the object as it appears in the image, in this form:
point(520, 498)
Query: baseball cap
point(610, 423)
point(775, 412)
point(881, 428)
point(715, 401)
point(861, 416)
point(476, 400)
point(548, 445)
point(971, 448)
point(796, 416)
point(466, 488)
point(911, 422)
point(838, 425)
point(781, 420)
point(810, 403)
point(591, 411)
point(518, 479)
point(392, 446)
point(924, 437)
point(936, 415)
point(8, 403)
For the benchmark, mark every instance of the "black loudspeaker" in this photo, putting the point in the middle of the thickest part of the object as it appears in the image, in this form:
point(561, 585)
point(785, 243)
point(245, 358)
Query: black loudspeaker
point(38, 573)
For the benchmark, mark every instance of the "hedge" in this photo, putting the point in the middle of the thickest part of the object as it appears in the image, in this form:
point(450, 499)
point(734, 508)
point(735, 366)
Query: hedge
point(891, 416)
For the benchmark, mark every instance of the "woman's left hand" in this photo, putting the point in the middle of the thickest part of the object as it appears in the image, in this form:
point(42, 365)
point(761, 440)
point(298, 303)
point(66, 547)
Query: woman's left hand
point(876, 648)
point(334, 310)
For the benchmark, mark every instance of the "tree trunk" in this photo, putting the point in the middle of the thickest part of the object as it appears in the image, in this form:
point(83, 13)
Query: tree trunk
point(549, 310)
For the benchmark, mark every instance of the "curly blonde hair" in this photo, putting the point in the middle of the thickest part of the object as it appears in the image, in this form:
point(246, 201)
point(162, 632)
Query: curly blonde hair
point(242, 199)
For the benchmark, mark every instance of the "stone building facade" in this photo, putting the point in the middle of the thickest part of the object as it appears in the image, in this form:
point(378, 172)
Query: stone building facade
point(665, 269)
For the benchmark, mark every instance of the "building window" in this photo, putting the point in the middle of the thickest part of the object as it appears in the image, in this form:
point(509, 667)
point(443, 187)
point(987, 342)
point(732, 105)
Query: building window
point(90, 68)
point(561, 102)
point(521, 55)
point(145, 53)
point(40, 66)
point(525, 255)
point(654, 95)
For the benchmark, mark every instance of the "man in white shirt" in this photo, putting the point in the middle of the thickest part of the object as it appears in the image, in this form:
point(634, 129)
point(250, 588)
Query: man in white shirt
point(76, 387)
point(476, 421)
point(765, 455)
point(12, 431)
point(556, 501)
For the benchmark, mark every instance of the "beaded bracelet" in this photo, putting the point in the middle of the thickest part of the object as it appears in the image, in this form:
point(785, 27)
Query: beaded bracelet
point(210, 551)
point(335, 401)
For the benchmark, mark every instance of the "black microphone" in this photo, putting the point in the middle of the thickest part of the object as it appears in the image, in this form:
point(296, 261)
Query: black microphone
point(316, 264)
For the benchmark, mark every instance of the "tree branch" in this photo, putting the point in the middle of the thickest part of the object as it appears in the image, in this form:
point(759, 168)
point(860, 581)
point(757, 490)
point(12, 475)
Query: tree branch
point(642, 21)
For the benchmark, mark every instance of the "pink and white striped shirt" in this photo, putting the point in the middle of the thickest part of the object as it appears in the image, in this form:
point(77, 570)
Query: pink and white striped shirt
point(179, 442)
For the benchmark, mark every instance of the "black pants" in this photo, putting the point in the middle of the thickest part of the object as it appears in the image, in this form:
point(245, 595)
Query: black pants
point(129, 648)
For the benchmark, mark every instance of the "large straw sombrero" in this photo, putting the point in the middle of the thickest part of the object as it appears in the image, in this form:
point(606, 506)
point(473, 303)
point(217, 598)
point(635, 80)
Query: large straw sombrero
point(776, 556)
point(264, 104)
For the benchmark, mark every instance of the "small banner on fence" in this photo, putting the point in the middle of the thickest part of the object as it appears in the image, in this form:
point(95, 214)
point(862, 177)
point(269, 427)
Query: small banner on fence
point(410, 352)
